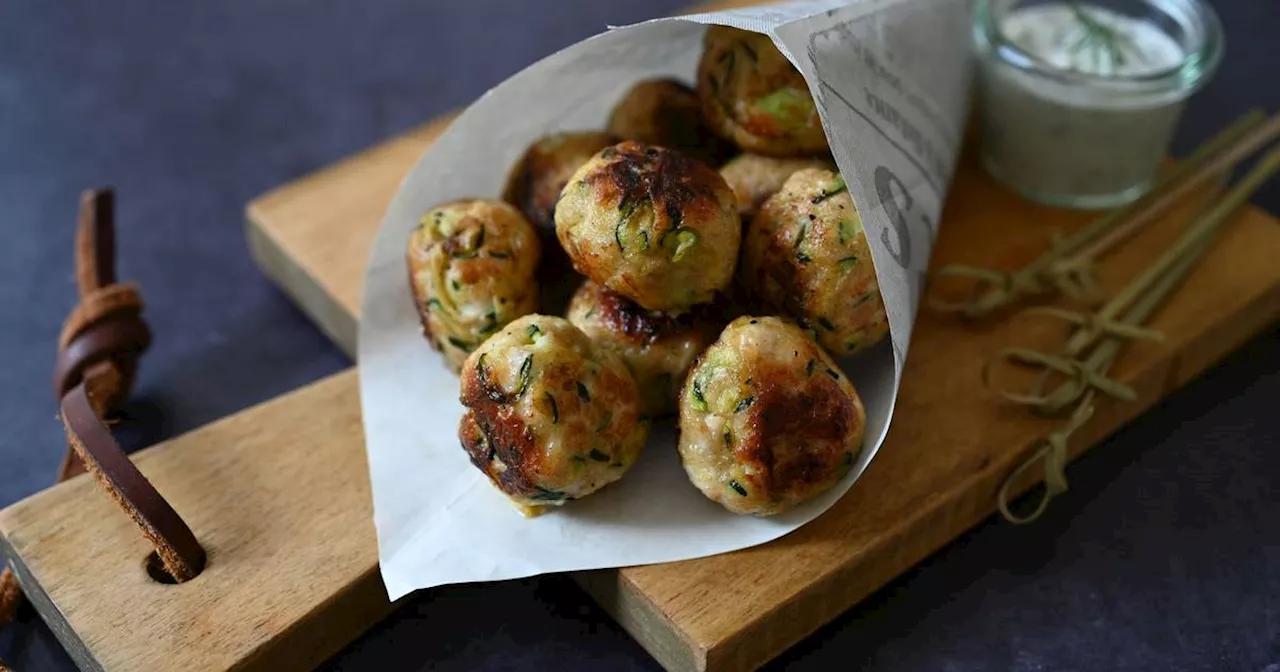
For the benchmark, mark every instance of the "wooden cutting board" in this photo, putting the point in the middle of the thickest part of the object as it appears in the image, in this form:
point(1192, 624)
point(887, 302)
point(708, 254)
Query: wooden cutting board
point(951, 443)
point(279, 494)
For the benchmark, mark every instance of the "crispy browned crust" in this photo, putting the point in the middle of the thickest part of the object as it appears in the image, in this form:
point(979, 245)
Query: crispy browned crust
point(676, 186)
point(652, 224)
point(816, 416)
point(536, 180)
point(493, 433)
point(629, 319)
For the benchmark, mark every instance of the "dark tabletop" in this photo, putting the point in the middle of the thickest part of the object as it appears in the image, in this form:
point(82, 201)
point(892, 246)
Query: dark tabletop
point(1164, 555)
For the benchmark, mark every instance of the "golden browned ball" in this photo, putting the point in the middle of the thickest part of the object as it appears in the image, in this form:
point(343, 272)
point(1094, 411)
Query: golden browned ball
point(752, 95)
point(658, 347)
point(667, 113)
point(755, 177)
point(471, 270)
point(767, 421)
point(651, 224)
point(805, 255)
point(550, 416)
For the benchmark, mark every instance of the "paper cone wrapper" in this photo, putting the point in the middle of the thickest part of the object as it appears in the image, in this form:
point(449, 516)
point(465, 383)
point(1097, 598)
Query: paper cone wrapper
point(892, 82)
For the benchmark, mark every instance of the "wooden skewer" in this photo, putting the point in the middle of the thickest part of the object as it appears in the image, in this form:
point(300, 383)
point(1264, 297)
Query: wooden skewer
point(1147, 292)
point(1108, 349)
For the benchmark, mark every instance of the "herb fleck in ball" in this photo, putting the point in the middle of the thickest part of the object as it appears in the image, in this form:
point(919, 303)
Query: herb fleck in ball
point(658, 348)
point(550, 416)
point(805, 255)
point(751, 94)
point(651, 224)
point(471, 270)
point(754, 177)
point(667, 113)
point(767, 421)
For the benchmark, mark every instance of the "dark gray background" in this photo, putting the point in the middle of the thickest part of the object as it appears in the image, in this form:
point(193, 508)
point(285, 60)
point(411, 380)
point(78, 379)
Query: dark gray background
point(1165, 555)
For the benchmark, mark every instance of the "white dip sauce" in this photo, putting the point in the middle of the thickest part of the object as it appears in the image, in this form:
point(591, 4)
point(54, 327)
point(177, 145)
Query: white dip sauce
point(1092, 141)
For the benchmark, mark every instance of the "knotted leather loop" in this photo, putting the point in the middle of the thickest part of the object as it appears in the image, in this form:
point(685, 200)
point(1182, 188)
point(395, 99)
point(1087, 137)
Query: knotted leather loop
point(98, 351)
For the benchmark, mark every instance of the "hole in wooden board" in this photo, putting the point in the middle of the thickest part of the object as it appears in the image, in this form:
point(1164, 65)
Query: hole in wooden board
point(157, 572)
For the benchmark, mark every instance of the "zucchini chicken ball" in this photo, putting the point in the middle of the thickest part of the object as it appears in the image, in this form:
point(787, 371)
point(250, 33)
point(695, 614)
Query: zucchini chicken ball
point(754, 177)
point(752, 95)
point(767, 421)
point(471, 270)
point(651, 224)
point(805, 255)
point(550, 416)
point(666, 112)
point(657, 347)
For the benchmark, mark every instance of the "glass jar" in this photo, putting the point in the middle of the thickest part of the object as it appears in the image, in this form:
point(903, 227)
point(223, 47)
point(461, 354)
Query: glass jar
point(1079, 101)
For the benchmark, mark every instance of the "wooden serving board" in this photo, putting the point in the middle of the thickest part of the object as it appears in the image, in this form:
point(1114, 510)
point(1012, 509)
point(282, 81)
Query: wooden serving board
point(279, 494)
point(950, 446)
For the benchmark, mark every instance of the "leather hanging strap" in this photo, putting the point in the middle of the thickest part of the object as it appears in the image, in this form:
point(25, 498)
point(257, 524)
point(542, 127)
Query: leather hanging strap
point(180, 554)
point(98, 353)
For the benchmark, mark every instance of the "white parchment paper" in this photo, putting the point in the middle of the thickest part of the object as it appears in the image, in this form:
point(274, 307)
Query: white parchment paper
point(891, 79)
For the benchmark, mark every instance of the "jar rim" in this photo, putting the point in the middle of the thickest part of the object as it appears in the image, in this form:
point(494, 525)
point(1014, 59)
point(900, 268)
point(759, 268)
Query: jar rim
point(1194, 69)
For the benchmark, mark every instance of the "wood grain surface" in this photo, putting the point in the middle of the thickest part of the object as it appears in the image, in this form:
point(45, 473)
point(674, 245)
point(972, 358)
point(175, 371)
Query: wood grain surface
point(321, 271)
point(279, 497)
point(279, 494)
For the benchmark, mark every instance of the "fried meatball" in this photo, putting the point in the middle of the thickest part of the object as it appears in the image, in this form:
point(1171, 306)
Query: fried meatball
point(667, 113)
point(767, 421)
point(550, 416)
point(805, 254)
point(471, 269)
point(752, 95)
point(658, 348)
point(651, 224)
point(754, 177)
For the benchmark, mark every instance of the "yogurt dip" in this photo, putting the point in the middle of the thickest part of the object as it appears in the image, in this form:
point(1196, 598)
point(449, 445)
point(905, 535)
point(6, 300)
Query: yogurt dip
point(1078, 102)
